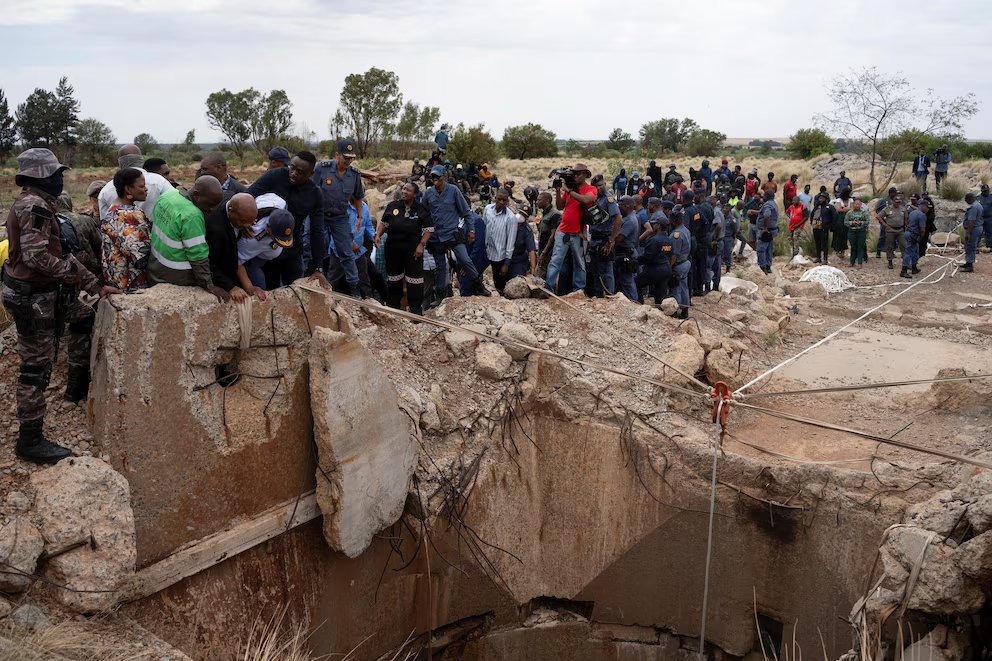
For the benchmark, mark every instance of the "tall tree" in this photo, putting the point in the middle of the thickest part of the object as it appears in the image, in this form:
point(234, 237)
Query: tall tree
point(872, 106)
point(704, 142)
point(529, 141)
point(429, 118)
point(8, 130)
point(370, 102)
point(145, 142)
point(271, 117)
point(667, 134)
point(48, 118)
point(807, 143)
point(190, 139)
point(95, 142)
point(67, 108)
point(231, 114)
point(408, 122)
point(472, 145)
point(619, 140)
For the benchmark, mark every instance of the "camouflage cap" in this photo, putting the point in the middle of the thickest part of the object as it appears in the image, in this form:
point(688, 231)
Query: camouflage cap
point(38, 163)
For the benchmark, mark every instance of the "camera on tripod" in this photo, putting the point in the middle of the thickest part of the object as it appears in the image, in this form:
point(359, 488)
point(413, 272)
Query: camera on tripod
point(564, 175)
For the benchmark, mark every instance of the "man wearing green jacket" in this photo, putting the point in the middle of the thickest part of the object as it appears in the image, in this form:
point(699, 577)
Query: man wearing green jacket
point(179, 254)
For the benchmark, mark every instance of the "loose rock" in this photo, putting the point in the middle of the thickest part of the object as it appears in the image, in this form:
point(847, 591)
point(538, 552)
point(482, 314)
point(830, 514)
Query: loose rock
point(517, 332)
point(492, 361)
point(20, 546)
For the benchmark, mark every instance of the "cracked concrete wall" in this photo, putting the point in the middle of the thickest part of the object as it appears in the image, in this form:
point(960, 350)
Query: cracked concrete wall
point(199, 456)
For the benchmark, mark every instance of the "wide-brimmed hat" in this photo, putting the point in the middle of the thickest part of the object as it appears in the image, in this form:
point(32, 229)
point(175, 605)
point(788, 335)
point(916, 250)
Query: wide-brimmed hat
point(38, 163)
point(582, 167)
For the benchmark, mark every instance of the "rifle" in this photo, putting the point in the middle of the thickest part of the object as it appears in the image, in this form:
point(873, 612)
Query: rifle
point(63, 299)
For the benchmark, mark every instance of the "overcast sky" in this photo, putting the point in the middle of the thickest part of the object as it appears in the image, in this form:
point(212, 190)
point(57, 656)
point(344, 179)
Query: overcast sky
point(747, 69)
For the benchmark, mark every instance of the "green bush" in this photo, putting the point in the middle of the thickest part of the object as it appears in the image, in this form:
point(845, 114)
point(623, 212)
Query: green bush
point(953, 188)
point(807, 143)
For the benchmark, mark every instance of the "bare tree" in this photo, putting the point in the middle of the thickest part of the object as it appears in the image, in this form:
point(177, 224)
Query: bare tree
point(872, 106)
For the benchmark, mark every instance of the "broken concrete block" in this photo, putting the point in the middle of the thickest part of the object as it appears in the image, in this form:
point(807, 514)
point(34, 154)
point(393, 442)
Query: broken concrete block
point(721, 365)
point(84, 499)
point(975, 558)
point(20, 546)
point(492, 361)
point(669, 306)
point(735, 314)
point(805, 290)
point(200, 454)
point(460, 343)
point(365, 453)
point(684, 354)
point(517, 332)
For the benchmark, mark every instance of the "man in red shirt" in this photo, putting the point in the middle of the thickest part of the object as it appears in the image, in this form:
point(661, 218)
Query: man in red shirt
point(789, 191)
point(751, 185)
point(569, 239)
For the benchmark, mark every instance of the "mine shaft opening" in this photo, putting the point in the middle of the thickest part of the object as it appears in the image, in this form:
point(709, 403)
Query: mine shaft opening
point(226, 375)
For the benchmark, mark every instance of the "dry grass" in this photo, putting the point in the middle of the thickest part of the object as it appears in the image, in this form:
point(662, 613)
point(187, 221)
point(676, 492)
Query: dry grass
point(91, 640)
point(953, 188)
point(277, 639)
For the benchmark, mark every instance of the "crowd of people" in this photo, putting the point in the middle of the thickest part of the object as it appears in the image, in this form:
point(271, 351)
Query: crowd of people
point(660, 236)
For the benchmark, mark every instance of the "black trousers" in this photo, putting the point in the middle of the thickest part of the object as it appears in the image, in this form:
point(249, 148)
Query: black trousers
point(657, 280)
point(821, 237)
point(284, 270)
point(402, 266)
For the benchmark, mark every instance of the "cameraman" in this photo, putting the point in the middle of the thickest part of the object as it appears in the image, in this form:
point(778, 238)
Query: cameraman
point(571, 198)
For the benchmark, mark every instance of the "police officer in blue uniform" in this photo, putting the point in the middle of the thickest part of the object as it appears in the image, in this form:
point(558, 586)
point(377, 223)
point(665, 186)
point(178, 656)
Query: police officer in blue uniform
point(916, 224)
point(693, 222)
point(340, 186)
point(682, 247)
point(657, 258)
point(972, 231)
point(600, 279)
point(625, 262)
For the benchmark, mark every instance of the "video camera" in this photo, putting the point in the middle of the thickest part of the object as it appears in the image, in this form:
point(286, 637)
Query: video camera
point(564, 175)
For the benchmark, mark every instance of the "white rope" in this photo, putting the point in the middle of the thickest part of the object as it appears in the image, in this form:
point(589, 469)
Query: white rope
point(244, 321)
point(840, 330)
point(709, 533)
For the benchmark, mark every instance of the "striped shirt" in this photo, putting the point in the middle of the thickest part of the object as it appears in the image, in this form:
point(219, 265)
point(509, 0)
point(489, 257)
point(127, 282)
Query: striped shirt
point(501, 233)
point(179, 243)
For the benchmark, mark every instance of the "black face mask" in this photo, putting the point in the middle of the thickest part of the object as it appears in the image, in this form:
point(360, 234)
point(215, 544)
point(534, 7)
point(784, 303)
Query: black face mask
point(52, 185)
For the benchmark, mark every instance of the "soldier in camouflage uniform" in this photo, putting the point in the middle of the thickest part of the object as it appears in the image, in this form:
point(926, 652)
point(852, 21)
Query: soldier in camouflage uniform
point(81, 239)
point(33, 277)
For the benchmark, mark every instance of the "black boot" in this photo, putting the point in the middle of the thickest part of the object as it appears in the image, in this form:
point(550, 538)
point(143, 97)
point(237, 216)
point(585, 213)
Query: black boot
point(480, 287)
point(77, 384)
point(904, 274)
point(915, 270)
point(33, 446)
point(878, 254)
point(968, 268)
point(890, 264)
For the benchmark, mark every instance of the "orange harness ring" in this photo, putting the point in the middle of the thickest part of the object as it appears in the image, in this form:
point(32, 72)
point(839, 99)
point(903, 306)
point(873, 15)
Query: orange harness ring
point(721, 393)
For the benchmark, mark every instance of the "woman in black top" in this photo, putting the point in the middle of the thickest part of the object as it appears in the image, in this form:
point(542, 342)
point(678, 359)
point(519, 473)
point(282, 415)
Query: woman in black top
point(408, 225)
point(822, 220)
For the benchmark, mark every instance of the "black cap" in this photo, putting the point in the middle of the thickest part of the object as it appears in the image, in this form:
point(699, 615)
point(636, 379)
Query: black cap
point(347, 148)
point(280, 154)
point(893, 189)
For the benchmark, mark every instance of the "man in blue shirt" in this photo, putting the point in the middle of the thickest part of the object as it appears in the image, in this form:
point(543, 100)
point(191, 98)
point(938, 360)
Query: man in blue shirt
point(916, 224)
point(448, 210)
point(625, 262)
point(682, 247)
point(985, 199)
point(657, 258)
point(767, 230)
point(362, 233)
point(972, 231)
point(340, 186)
point(441, 138)
point(477, 252)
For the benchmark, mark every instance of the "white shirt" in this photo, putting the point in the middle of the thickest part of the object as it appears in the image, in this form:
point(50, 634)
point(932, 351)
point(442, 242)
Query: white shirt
point(501, 233)
point(156, 185)
point(260, 245)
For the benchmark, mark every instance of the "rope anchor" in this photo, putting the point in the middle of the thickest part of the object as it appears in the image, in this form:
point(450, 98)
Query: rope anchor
point(721, 403)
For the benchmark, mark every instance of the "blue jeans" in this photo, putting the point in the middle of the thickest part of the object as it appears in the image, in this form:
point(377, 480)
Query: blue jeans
point(575, 247)
point(971, 245)
point(682, 288)
point(988, 232)
point(339, 227)
point(912, 253)
point(728, 250)
point(440, 253)
point(766, 250)
point(715, 268)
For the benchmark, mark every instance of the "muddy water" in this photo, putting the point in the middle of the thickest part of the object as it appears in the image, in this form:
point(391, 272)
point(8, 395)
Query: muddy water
point(860, 356)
